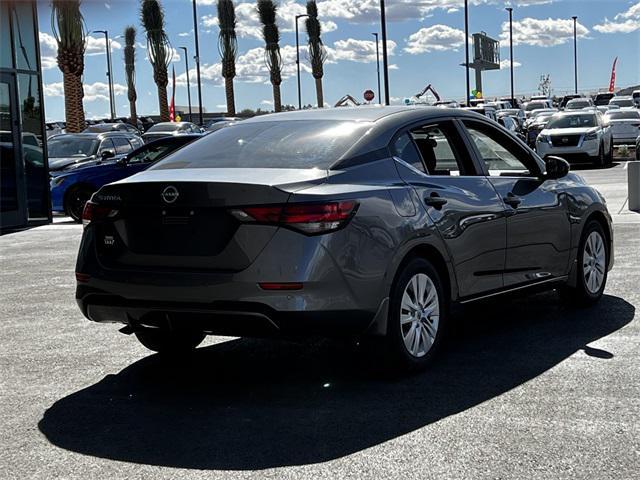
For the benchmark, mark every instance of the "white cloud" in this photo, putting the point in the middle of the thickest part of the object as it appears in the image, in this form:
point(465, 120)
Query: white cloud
point(435, 38)
point(92, 91)
point(625, 22)
point(506, 64)
point(267, 102)
point(48, 51)
point(96, 45)
point(354, 50)
point(541, 32)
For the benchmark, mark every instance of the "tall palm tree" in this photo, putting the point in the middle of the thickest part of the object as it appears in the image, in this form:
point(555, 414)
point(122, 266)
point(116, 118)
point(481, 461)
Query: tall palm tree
point(317, 52)
point(159, 50)
point(130, 70)
point(228, 47)
point(267, 10)
point(69, 30)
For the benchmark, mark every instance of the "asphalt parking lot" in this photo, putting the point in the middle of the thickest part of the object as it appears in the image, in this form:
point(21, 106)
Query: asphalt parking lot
point(528, 388)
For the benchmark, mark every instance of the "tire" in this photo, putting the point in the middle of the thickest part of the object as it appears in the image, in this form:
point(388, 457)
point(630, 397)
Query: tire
point(589, 289)
point(75, 200)
point(610, 155)
point(166, 342)
point(408, 352)
point(600, 159)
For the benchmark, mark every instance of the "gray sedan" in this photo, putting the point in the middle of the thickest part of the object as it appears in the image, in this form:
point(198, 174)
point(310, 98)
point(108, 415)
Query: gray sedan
point(369, 221)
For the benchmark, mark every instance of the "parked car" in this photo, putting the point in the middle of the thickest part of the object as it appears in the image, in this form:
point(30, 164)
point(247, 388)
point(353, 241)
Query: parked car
point(625, 126)
point(214, 120)
point(623, 102)
point(510, 124)
point(531, 107)
point(147, 123)
point(218, 125)
point(446, 104)
point(71, 150)
point(514, 102)
point(112, 127)
point(346, 221)
point(167, 129)
point(72, 189)
point(581, 136)
point(484, 110)
point(579, 104)
point(536, 125)
point(603, 98)
point(566, 99)
point(636, 97)
point(54, 128)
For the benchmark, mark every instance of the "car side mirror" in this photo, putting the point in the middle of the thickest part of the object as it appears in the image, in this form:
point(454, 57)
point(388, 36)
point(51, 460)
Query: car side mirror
point(556, 167)
point(107, 154)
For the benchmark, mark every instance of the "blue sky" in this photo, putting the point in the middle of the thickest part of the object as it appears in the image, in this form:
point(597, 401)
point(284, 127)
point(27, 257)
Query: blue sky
point(426, 43)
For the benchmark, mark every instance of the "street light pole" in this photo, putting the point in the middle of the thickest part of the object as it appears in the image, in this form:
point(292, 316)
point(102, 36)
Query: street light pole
point(109, 72)
point(385, 60)
point(466, 48)
point(575, 51)
point(197, 60)
point(375, 34)
point(298, 60)
point(186, 68)
point(510, 10)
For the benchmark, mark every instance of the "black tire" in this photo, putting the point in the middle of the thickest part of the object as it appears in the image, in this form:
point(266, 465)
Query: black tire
point(75, 200)
point(397, 350)
point(169, 342)
point(581, 295)
point(609, 159)
point(600, 160)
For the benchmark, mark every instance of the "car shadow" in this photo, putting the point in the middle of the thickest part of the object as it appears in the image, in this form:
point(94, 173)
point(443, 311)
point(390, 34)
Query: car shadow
point(255, 404)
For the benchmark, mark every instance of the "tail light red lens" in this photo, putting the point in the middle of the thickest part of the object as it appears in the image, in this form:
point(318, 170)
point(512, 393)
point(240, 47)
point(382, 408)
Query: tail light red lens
point(311, 218)
point(93, 212)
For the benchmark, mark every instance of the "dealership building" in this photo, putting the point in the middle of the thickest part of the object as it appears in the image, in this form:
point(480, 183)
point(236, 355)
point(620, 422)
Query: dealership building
point(24, 182)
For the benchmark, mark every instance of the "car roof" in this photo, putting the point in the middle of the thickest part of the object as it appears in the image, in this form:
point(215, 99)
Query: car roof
point(368, 113)
point(97, 134)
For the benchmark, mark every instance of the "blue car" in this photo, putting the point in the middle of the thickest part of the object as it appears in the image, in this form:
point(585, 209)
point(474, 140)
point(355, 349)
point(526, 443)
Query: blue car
point(71, 189)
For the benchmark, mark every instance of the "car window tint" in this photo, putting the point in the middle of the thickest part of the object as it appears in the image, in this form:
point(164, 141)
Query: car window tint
point(441, 150)
point(122, 145)
point(499, 153)
point(149, 155)
point(405, 149)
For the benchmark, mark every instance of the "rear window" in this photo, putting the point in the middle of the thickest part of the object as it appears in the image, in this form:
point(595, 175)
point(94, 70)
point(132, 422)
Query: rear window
point(535, 106)
point(284, 144)
point(623, 102)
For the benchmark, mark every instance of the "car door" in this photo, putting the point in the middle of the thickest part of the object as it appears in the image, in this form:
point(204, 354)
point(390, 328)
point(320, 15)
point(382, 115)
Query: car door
point(464, 206)
point(538, 223)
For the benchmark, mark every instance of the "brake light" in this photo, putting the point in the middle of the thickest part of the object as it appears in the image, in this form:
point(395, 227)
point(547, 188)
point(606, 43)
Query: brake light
point(93, 211)
point(310, 218)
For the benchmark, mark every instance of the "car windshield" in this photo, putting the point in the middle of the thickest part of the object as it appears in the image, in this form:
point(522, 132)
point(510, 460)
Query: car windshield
point(626, 115)
point(543, 117)
point(270, 144)
point(577, 104)
point(71, 146)
point(573, 121)
point(535, 106)
point(164, 127)
point(627, 102)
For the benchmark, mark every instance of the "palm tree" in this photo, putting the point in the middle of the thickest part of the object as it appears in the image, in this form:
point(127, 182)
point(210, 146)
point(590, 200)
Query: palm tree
point(69, 30)
point(159, 50)
point(228, 47)
point(317, 52)
point(267, 10)
point(130, 70)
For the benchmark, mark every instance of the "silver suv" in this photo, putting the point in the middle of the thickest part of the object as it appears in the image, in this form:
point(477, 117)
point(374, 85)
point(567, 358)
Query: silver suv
point(579, 136)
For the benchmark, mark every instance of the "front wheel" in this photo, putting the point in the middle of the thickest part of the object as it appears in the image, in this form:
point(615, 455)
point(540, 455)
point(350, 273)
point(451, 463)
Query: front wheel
point(75, 201)
point(593, 261)
point(600, 159)
point(170, 342)
point(417, 317)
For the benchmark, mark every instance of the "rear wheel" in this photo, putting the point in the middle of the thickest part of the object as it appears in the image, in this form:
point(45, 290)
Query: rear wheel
point(592, 266)
point(170, 342)
point(75, 200)
point(417, 317)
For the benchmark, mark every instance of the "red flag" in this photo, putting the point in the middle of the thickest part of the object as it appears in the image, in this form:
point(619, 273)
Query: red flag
point(612, 84)
point(172, 106)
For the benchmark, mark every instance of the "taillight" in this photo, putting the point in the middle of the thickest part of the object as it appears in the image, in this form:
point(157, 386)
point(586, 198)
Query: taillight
point(310, 218)
point(93, 211)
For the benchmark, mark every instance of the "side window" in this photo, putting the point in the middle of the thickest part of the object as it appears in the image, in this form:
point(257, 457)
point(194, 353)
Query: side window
point(405, 149)
point(442, 150)
point(500, 154)
point(149, 155)
point(135, 142)
point(122, 145)
point(106, 144)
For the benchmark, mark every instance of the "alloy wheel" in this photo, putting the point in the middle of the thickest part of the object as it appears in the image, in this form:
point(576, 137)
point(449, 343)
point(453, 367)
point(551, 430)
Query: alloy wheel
point(419, 315)
point(594, 262)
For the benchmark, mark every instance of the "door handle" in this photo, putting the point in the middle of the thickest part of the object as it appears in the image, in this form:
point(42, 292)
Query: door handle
point(512, 200)
point(434, 200)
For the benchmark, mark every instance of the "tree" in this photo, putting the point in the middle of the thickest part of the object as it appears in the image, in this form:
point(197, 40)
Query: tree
point(158, 49)
point(317, 52)
point(267, 10)
point(130, 71)
point(228, 48)
point(69, 30)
